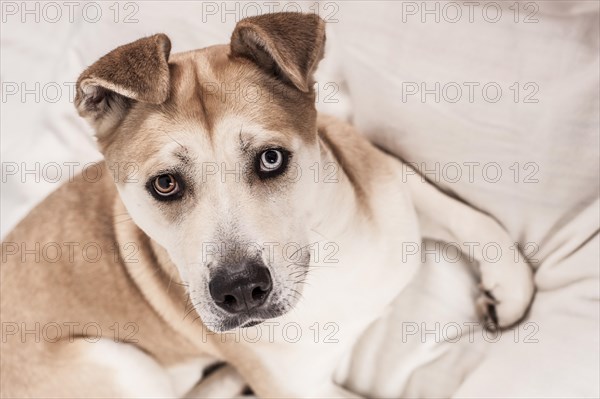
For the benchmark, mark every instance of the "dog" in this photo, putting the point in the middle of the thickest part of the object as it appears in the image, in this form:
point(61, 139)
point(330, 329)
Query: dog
point(213, 215)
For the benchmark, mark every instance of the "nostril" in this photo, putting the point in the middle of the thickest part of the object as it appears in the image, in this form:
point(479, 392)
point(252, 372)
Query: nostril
point(229, 300)
point(258, 294)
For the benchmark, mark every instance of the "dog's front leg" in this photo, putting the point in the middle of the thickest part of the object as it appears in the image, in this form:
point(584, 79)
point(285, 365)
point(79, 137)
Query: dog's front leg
point(225, 382)
point(506, 280)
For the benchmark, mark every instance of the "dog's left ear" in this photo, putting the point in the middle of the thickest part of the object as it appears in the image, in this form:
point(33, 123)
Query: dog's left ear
point(288, 45)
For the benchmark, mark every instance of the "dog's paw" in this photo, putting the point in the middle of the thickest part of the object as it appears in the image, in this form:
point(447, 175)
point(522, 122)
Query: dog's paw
point(505, 295)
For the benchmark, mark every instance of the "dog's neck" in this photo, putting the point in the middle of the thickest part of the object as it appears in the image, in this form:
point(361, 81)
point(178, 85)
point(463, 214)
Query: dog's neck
point(343, 198)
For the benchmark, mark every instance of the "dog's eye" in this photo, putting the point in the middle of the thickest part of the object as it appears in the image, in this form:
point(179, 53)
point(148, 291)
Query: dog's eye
point(166, 185)
point(271, 160)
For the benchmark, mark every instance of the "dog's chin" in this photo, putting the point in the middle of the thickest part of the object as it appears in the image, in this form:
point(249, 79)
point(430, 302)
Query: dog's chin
point(217, 320)
point(251, 323)
point(230, 322)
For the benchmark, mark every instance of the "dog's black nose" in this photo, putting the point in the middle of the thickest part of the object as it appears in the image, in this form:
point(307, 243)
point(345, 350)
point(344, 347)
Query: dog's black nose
point(242, 290)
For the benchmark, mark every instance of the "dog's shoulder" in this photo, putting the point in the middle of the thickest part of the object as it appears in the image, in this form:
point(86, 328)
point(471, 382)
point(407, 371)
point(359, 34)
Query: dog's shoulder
point(78, 206)
point(365, 165)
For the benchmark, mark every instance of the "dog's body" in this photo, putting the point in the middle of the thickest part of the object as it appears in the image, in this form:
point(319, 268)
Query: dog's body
point(151, 275)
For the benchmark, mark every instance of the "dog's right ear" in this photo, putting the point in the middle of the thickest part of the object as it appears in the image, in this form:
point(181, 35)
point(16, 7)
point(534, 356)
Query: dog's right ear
point(137, 71)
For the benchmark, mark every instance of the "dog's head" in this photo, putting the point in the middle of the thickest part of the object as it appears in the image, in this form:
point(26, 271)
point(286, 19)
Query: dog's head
point(211, 151)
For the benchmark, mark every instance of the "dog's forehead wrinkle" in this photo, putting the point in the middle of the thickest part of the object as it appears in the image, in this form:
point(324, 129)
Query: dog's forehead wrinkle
point(201, 98)
point(244, 142)
point(187, 98)
point(182, 154)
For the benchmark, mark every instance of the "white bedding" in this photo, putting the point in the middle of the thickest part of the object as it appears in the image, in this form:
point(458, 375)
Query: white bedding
point(376, 52)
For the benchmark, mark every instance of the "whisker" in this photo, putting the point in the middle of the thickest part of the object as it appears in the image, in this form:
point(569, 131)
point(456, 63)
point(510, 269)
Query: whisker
point(122, 221)
point(121, 214)
point(301, 248)
point(188, 312)
point(167, 134)
point(297, 292)
point(312, 229)
point(299, 273)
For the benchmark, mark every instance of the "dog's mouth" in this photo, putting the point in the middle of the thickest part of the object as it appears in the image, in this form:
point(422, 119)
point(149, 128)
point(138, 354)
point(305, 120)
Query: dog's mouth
point(247, 320)
point(224, 322)
point(251, 323)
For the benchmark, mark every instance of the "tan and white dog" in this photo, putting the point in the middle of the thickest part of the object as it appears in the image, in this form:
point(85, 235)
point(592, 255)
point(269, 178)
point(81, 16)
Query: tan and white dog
point(224, 208)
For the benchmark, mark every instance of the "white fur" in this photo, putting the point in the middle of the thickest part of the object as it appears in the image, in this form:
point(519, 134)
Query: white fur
point(185, 376)
point(135, 373)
